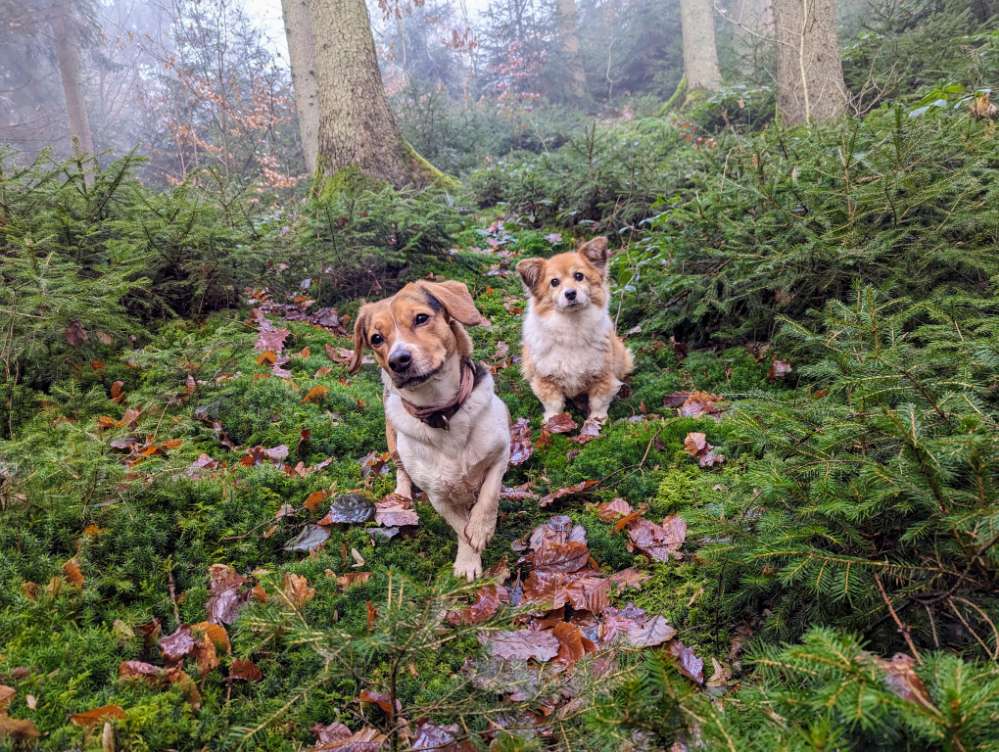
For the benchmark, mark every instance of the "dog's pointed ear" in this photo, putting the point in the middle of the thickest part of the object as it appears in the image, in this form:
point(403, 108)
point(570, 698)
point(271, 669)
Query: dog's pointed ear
point(596, 251)
point(455, 298)
point(530, 271)
point(360, 337)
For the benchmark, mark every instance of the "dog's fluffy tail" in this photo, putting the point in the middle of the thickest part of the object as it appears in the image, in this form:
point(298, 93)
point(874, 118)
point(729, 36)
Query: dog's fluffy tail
point(624, 361)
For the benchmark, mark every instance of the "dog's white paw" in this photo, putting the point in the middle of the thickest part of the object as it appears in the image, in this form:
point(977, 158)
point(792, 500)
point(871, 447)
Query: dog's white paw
point(478, 532)
point(468, 565)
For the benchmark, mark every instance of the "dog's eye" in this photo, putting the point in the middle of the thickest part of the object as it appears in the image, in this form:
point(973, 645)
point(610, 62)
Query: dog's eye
point(376, 339)
point(421, 318)
point(555, 282)
point(579, 276)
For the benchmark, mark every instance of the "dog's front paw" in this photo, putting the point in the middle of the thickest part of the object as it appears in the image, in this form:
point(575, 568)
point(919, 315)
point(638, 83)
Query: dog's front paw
point(479, 531)
point(468, 565)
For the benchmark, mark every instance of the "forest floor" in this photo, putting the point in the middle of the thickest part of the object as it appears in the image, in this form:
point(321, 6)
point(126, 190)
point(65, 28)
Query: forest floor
point(188, 585)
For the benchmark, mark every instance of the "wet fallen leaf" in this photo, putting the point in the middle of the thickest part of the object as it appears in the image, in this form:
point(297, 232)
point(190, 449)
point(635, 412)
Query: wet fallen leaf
point(561, 423)
point(380, 699)
point(632, 625)
point(225, 598)
point(97, 715)
point(177, 646)
point(687, 662)
point(296, 589)
point(659, 542)
point(521, 448)
point(309, 539)
point(350, 509)
point(140, 670)
point(573, 644)
point(613, 510)
point(214, 632)
point(518, 493)
point(487, 603)
point(396, 510)
point(629, 579)
point(433, 738)
point(562, 493)
point(338, 738)
point(524, 644)
point(589, 431)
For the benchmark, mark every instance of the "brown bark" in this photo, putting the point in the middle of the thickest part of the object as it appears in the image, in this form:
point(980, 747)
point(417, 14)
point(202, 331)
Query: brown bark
point(356, 126)
point(67, 44)
point(568, 31)
point(810, 85)
point(302, 54)
point(700, 56)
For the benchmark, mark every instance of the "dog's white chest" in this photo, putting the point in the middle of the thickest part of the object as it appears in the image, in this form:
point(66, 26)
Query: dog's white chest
point(451, 465)
point(572, 350)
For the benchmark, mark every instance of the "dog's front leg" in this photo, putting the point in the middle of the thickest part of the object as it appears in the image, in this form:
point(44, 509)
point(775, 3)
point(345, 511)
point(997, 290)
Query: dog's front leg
point(601, 395)
point(550, 395)
point(468, 562)
point(482, 519)
point(403, 483)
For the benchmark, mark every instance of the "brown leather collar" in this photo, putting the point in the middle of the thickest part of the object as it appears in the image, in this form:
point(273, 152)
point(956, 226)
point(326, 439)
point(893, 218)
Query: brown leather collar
point(439, 416)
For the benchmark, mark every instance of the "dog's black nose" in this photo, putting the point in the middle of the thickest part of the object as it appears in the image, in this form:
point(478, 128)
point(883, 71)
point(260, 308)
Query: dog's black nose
point(400, 360)
point(570, 294)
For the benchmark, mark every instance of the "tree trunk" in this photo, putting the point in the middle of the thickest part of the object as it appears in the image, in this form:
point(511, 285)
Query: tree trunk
point(356, 126)
point(302, 54)
point(810, 85)
point(568, 32)
point(67, 43)
point(700, 57)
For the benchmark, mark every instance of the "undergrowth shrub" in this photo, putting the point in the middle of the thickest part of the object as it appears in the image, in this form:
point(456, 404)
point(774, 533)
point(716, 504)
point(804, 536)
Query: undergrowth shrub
point(357, 236)
point(875, 484)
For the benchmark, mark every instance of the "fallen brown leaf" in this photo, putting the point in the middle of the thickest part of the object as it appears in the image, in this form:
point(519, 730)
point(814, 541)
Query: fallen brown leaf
point(97, 715)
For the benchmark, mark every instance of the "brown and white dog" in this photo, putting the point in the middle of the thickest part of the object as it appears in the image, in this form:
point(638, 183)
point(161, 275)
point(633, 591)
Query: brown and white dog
point(450, 431)
point(570, 347)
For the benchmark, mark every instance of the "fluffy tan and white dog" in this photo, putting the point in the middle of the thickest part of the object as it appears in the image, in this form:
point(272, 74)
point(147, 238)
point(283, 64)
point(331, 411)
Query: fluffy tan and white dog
point(443, 421)
point(570, 347)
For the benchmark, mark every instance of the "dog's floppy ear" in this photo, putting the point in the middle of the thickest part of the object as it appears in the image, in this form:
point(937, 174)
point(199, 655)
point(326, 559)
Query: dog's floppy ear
point(360, 338)
point(596, 251)
point(455, 299)
point(530, 271)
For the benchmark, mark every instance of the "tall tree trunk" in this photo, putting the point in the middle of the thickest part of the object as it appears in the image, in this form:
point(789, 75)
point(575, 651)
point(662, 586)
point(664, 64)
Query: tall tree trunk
point(302, 54)
point(810, 85)
point(700, 56)
point(67, 44)
point(356, 125)
point(568, 32)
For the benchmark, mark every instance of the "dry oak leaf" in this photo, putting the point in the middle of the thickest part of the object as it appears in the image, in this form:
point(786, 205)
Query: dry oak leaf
point(97, 715)
point(523, 645)
point(296, 589)
point(589, 432)
point(214, 632)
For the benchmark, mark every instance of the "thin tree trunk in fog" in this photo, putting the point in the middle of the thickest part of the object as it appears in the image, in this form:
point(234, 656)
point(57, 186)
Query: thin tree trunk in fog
point(67, 44)
point(700, 56)
point(356, 126)
point(810, 85)
point(568, 31)
point(302, 52)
